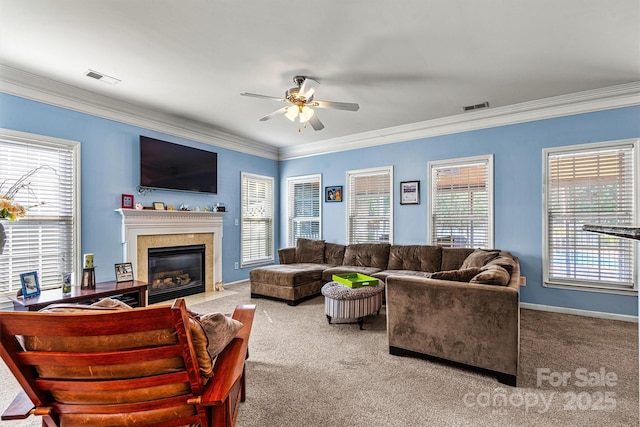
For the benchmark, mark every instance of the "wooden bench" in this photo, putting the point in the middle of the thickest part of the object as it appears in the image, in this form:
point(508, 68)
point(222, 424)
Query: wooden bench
point(156, 380)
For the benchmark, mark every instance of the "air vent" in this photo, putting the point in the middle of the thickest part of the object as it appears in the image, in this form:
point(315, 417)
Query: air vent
point(476, 106)
point(102, 77)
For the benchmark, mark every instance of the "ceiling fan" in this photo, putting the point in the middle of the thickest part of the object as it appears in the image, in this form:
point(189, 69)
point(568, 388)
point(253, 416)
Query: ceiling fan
point(300, 100)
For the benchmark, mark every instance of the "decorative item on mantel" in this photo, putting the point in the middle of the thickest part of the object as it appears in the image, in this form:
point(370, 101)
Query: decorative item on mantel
point(10, 209)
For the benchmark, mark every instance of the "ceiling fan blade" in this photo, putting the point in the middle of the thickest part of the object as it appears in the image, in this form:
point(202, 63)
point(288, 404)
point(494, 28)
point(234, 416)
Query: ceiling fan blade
point(255, 95)
point(274, 114)
point(315, 122)
point(308, 88)
point(348, 106)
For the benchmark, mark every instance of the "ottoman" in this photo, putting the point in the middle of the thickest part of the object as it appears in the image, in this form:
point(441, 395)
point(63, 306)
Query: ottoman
point(343, 302)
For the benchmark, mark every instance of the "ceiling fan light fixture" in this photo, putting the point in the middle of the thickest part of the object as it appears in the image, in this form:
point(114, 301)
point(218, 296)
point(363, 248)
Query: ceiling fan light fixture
point(292, 112)
point(305, 114)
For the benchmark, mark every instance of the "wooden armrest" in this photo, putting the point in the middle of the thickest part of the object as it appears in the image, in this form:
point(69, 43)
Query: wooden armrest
point(19, 409)
point(229, 365)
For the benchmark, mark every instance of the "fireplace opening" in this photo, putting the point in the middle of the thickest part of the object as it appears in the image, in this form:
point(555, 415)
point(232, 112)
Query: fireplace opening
point(175, 271)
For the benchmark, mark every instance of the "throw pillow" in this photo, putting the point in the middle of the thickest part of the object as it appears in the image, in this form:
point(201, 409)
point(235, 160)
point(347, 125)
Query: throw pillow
point(311, 251)
point(479, 258)
point(457, 275)
point(492, 275)
point(506, 261)
point(219, 330)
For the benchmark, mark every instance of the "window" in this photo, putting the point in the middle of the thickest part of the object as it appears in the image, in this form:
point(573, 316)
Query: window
point(303, 208)
point(369, 205)
point(461, 206)
point(257, 220)
point(592, 183)
point(47, 239)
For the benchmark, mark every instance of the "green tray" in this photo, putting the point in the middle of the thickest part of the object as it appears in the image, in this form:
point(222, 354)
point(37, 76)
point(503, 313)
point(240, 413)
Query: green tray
point(355, 280)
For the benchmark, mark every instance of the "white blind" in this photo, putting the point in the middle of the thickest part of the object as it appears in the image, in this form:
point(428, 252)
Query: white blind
point(257, 219)
point(592, 186)
point(369, 201)
point(43, 240)
point(461, 207)
point(303, 200)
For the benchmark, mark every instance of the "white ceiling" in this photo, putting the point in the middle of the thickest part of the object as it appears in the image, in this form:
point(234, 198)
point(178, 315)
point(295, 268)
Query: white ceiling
point(403, 61)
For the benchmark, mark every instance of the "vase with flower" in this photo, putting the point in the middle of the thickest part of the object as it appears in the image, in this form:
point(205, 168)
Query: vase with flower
point(11, 210)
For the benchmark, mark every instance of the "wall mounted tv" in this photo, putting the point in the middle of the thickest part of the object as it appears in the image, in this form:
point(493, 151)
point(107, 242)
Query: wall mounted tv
point(168, 166)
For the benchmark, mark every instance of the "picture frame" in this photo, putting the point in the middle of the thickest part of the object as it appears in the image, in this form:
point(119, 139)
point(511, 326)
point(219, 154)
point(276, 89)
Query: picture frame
point(30, 284)
point(159, 206)
point(410, 193)
point(124, 272)
point(127, 201)
point(333, 194)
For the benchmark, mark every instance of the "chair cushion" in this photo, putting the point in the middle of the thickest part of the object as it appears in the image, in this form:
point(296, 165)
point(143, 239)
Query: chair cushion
point(506, 261)
point(452, 258)
point(415, 257)
point(334, 253)
point(219, 331)
point(311, 251)
point(288, 275)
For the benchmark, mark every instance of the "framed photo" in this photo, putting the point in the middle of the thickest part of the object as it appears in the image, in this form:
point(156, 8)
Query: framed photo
point(127, 201)
point(333, 194)
point(410, 193)
point(124, 272)
point(30, 285)
point(159, 206)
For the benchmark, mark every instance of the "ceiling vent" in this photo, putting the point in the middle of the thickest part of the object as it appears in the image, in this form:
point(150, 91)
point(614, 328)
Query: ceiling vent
point(102, 77)
point(476, 106)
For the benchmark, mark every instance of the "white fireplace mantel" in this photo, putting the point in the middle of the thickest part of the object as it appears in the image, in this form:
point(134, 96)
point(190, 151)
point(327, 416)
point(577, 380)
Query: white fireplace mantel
point(149, 222)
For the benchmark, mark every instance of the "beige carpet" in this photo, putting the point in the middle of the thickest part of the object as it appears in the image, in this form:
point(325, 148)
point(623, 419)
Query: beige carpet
point(304, 372)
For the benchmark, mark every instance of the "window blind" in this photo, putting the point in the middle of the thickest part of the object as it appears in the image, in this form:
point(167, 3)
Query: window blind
point(43, 240)
point(461, 203)
point(257, 228)
point(369, 206)
point(303, 200)
point(590, 186)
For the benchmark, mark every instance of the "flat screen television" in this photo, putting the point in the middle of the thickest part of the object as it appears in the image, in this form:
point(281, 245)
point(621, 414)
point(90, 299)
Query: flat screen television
point(168, 166)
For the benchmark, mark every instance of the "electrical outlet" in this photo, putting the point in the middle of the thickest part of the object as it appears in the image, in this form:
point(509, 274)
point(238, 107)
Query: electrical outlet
point(236, 265)
point(237, 222)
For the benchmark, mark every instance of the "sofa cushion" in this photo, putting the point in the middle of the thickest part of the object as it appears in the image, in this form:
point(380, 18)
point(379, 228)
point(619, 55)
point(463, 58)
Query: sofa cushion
point(462, 275)
point(374, 255)
point(415, 257)
point(311, 251)
point(452, 258)
point(479, 258)
point(506, 261)
point(382, 275)
point(334, 253)
point(492, 275)
point(288, 275)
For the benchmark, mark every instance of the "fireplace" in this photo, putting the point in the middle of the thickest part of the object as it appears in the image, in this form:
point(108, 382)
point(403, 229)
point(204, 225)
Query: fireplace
point(145, 229)
point(175, 271)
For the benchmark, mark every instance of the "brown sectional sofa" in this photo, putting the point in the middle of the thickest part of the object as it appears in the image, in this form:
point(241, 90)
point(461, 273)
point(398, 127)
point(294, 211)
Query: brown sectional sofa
point(457, 304)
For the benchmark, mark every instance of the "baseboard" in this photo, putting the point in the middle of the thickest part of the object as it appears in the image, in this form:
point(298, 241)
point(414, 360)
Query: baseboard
point(578, 312)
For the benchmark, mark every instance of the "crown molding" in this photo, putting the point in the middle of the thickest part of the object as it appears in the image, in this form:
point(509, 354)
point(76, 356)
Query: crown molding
point(42, 89)
point(576, 103)
point(31, 86)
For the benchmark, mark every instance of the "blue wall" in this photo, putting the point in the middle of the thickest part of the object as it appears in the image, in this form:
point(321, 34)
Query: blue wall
point(110, 159)
point(517, 153)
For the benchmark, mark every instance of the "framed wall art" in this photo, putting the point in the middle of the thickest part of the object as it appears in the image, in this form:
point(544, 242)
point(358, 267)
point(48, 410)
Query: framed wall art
point(410, 193)
point(159, 206)
point(333, 194)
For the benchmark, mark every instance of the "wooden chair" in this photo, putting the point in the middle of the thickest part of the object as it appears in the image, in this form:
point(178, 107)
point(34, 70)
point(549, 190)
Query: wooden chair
point(153, 379)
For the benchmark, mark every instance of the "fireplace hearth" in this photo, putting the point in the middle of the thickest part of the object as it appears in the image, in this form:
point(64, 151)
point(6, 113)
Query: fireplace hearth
point(175, 271)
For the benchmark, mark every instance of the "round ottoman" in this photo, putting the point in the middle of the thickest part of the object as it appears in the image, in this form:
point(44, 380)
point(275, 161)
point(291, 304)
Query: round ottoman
point(343, 302)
